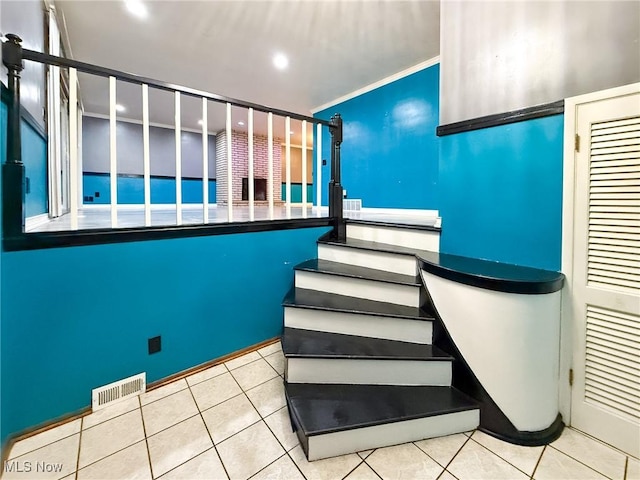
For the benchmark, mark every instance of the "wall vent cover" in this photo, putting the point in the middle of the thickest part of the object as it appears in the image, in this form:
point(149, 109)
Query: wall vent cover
point(116, 391)
point(352, 204)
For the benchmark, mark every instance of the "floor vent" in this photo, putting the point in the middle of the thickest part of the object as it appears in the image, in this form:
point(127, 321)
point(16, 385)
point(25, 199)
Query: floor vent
point(116, 391)
point(352, 204)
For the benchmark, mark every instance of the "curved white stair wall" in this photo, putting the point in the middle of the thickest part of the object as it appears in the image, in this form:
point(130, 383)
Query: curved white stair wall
point(511, 343)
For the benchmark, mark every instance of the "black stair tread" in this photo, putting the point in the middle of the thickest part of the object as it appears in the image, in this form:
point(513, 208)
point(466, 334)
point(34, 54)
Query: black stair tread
point(408, 224)
point(298, 343)
point(345, 270)
point(375, 246)
point(328, 408)
point(314, 299)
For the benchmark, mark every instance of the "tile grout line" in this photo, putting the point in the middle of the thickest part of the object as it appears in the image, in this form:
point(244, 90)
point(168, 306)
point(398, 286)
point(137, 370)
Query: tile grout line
point(267, 465)
point(370, 466)
point(580, 462)
point(79, 447)
point(146, 441)
point(286, 452)
point(454, 455)
point(295, 464)
point(213, 445)
point(500, 457)
point(357, 465)
point(112, 453)
point(544, 449)
point(226, 370)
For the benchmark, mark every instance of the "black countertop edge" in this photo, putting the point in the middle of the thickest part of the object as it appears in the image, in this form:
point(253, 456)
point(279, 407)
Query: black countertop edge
point(407, 226)
point(529, 113)
point(490, 275)
point(42, 240)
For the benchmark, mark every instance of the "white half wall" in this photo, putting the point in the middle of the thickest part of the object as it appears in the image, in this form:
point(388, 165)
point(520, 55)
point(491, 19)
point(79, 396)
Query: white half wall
point(510, 341)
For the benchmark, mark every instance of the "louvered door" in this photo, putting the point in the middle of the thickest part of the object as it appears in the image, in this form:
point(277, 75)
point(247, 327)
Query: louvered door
point(606, 272)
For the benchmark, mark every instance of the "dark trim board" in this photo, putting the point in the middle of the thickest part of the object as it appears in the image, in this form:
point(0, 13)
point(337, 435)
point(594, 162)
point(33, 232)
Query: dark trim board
point(529, 113)
point(101, 236)
point(138, 175)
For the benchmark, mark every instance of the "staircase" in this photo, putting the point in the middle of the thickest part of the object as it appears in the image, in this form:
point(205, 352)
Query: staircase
point(361, 371)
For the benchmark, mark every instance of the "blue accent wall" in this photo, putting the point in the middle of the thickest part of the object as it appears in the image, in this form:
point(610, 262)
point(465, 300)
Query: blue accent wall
point(34, 157)
point(131, 189)
point(75, 318)
point(390, 148)
point(296, 192)
point(501, 193)
point(79, 317)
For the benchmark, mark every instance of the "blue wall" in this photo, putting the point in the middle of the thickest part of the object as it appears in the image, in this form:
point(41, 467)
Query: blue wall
point(77, 318)
point(34, 157)
point(501, 193)
point(390, 149)
point(131, 189)
point(296, 192)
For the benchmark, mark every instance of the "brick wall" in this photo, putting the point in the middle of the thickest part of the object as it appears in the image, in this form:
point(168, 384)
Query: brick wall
point(240, 162)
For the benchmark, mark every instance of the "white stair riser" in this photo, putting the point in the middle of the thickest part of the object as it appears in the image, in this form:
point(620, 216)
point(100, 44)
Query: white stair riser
point(388, 262)
point(359, 287)
point(366, 438)
point(404, 237)
point(368, 372)
point(373, 326)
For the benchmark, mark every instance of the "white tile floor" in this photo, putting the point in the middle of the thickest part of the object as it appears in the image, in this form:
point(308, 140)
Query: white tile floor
point(230, 422)
point(99, 216)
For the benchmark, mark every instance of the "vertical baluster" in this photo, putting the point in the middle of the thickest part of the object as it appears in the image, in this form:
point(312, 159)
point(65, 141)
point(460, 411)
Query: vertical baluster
point(178, 128)
point(146, 162)
point(73, 147)
point(205, 162)
point(270, 163)
point(318, 177)
point(229, 165)
point(250, 179)
point(304, 169)
point(113, 153)
point(287, 159)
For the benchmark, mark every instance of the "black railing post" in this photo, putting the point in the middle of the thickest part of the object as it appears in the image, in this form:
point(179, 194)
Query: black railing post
point(13, 176)
point(335, 186)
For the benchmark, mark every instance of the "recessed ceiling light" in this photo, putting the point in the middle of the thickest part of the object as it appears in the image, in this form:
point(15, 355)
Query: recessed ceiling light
point(291, 132)
point(120, 108)
point(280, 61)
point(200, 122)
point(136, 8)
point(241, 123)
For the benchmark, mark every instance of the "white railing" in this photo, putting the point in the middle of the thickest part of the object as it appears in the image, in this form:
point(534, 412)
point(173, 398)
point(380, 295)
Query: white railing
point(273, 207)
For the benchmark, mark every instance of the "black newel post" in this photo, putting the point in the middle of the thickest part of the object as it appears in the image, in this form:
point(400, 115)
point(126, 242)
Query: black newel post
point(13, 183)
point(335, 186)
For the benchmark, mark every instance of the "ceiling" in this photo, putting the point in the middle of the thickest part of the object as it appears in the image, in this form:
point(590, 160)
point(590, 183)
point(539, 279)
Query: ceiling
point(226, 47)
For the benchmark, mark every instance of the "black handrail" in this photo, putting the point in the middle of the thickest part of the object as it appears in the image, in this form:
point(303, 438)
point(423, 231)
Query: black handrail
point(13, 172)
point(132, 78)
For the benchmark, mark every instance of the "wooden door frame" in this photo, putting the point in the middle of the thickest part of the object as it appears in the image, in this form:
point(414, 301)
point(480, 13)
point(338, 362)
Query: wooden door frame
point(567, 330)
